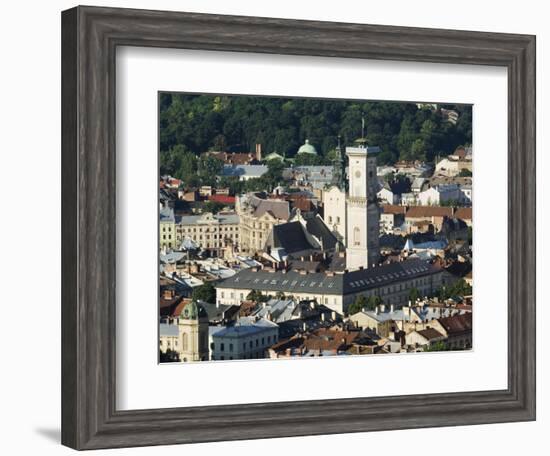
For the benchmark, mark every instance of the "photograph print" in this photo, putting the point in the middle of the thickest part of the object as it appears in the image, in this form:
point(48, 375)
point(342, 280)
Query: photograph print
point(304, 227)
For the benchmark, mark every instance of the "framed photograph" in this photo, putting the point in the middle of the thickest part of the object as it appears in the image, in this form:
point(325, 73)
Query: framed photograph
point(282, 228)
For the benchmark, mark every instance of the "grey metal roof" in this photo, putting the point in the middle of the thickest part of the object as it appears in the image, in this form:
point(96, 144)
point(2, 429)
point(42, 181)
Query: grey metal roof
point(244, 170)
point(223, 219)
point(245, 326)
point(337, 284)
point(168, 330)
point(166, 214)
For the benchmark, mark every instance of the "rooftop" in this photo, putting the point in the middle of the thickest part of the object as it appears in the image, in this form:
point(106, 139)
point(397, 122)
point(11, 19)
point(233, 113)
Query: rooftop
point(329, 283)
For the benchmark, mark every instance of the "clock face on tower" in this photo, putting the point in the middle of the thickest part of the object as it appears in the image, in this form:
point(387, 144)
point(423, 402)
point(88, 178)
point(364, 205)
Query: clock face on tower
point(358, 174)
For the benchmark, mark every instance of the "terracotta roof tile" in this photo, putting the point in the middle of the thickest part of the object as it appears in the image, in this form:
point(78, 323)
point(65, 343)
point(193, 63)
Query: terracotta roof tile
point(429, 211)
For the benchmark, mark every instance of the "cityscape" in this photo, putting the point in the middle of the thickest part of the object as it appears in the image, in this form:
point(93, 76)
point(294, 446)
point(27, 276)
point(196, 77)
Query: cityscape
point(299, 227)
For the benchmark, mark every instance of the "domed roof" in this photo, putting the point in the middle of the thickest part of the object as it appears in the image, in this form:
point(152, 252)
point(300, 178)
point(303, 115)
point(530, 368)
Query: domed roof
point(307, 148)
point(193, 311)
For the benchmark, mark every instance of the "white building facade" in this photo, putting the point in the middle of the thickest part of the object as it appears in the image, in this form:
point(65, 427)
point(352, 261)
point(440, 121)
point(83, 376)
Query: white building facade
point(363, 213)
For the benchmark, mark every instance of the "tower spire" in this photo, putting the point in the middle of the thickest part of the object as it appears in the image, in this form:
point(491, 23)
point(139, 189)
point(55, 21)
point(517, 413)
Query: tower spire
point(337, 167)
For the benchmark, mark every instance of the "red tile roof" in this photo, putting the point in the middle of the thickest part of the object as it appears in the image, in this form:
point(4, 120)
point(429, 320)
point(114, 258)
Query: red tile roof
point(464, 213)
point(224, 199)
point(394, 209)
point(429, 211)
point(457, 324)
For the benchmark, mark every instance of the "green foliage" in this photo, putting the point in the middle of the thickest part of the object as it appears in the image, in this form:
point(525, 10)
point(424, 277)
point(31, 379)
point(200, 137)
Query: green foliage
point(178, 162)
point(257, 296)
point(170, 356)
point(362, 302)
point(205, 292)
point(465, 173)
point(198, 123)
point(235, 185)
point(309, 160)
point(212, 206)
point(458, 289)
point(373, 302)
point(357, 305)
point(450, 203)
point(414, 294)
point(437, 347)
point(208, 169)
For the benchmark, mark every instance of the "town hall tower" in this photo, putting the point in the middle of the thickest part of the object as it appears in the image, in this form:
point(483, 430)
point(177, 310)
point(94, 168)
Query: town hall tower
point(363, 212)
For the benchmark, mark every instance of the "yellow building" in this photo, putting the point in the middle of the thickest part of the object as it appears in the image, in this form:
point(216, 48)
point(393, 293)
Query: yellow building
point(167, 228)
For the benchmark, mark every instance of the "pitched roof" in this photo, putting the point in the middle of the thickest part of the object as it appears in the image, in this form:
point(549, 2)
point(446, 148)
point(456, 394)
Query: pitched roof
point(430, 333)
point(429, 211)
point(457, 324)
point(393, 209)
point(316, 226)
point(289, 236)
point(464, 213)
point(278, 208)
point(224, 199)
point(332, 283)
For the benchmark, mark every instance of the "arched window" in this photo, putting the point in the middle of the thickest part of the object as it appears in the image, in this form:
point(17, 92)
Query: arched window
point(356, 236)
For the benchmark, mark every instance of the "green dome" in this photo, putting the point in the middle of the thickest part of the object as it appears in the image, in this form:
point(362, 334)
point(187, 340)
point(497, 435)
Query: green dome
point(307, 148)
point(193, 311)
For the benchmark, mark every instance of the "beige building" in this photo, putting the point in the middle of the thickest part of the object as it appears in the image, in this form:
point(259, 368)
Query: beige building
point(217, 233)
point(187, 335)
point(257, 217)
point(334, 204)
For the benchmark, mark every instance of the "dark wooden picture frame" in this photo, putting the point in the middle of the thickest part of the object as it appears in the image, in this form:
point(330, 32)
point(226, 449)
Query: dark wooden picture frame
point(90, 36)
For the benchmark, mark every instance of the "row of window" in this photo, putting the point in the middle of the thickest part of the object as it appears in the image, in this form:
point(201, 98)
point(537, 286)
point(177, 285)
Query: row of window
point(251, 343)
point(257, 355)
point(208, 230)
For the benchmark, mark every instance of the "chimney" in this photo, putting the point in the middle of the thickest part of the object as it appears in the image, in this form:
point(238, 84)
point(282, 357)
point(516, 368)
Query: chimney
point(259, 152)
point(392, 308)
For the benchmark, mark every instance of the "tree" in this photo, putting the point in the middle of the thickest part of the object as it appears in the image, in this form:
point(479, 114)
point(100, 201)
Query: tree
point(199, 123)
point(170, 356)
point(414, 294)
point(464, 172)
point(257, 296)
point(209, 168)
point(205, 292)
point(373, 302)
point(307, 160)
point(456, 290)
point(212, 206)
point(436, 347)
point(357, 305)
point(274, 173)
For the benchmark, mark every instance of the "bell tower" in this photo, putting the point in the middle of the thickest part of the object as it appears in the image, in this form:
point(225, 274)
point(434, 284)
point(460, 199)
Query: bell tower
point(363, 213)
